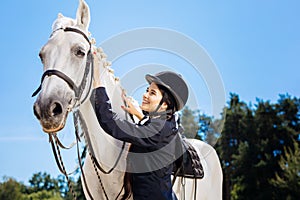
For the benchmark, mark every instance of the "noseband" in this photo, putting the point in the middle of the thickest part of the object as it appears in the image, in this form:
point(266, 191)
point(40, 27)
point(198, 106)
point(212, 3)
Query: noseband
point(78, 90)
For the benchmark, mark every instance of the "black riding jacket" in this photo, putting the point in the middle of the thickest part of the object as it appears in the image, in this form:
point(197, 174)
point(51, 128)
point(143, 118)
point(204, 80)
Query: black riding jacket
point(152, 152)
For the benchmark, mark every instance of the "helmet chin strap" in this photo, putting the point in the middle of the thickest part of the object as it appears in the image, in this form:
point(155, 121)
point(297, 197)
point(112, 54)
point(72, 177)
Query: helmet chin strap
point(159, 114)
point(155, 113)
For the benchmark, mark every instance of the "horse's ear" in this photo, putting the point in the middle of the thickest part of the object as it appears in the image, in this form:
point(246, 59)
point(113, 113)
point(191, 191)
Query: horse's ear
point(60, 15)
point(83, 15)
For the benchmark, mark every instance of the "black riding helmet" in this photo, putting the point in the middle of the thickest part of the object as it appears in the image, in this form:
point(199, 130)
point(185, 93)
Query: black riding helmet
point(174, 83)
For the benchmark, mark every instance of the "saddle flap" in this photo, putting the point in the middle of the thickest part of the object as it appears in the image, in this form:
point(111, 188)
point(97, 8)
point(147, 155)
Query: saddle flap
point(189, 164)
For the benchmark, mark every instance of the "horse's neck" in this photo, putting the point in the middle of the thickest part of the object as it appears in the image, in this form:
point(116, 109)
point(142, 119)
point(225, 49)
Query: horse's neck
point(106, 148)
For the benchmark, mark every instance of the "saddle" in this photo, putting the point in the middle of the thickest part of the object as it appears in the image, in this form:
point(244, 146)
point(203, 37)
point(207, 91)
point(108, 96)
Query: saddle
point(188, 164)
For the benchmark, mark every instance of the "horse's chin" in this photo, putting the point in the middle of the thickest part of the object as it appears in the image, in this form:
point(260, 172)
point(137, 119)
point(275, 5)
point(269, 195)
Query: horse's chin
point(53, 130)
point(54, 127)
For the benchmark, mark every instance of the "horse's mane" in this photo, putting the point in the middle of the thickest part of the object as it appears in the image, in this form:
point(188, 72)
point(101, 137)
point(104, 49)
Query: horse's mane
point(107, 74)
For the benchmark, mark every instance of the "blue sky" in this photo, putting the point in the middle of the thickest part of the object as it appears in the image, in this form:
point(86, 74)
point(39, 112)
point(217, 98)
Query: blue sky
point(254, 44)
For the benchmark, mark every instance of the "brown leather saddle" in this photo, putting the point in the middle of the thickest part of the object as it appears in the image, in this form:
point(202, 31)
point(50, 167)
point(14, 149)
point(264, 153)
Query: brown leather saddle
point(188, 164)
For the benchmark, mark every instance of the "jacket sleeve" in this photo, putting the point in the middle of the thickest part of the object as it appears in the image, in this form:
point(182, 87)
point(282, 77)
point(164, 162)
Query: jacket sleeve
point(146, 136)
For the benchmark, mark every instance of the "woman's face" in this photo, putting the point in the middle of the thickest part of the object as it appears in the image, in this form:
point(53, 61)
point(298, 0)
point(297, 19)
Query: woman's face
point(152, 98)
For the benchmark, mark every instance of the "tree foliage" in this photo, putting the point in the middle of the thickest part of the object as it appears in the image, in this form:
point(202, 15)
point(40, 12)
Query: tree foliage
point(288, 180)
point(11, 189)
point(41, 187)
point(190, 123)
point(256, 149)
point(200, 126)
point(42, 181)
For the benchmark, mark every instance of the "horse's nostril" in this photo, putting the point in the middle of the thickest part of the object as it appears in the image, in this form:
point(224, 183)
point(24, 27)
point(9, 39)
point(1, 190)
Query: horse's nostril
point(36, 111)
point(56, 109)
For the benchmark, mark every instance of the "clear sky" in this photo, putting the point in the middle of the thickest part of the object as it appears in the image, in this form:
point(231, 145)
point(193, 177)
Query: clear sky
point(254, 44)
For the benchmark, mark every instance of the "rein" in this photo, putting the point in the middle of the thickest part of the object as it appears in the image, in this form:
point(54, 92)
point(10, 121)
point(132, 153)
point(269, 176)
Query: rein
point(77, 115)
point(83, 125)
point(56, 144)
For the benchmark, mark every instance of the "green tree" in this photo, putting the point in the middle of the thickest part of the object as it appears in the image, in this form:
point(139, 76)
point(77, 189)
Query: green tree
point(204, 131)
point(233, 133)
point(200, 126)
point(42, 181)
point(190, 123)
point(277, 126)
point(288, 111)
point(10, 189)
point(41, 187)
point(43, 195)
point(288, 182)
point(252, 149)
point(209, 128)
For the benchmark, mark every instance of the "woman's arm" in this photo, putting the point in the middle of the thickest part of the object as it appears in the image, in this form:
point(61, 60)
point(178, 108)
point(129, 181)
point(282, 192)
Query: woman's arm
point(124, 130)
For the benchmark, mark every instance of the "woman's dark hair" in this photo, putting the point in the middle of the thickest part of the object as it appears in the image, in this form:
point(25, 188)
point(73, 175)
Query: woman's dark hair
point(127, 186)
point(168, 98)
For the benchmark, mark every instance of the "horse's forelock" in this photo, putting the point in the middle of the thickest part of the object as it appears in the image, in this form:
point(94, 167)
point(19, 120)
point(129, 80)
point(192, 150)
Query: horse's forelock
point(63, 22)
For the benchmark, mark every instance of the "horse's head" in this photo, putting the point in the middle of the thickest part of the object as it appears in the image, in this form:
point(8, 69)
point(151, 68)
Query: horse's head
point(67, 74)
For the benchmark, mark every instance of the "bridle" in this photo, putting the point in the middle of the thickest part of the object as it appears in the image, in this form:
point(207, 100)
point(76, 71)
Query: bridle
point(78, 90)
point(78, 118)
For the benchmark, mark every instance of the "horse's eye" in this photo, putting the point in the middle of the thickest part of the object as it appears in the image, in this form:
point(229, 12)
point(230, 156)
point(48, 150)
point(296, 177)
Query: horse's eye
point(80, 53)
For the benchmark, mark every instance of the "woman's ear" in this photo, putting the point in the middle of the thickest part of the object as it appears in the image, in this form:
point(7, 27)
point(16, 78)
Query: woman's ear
point(164, 106)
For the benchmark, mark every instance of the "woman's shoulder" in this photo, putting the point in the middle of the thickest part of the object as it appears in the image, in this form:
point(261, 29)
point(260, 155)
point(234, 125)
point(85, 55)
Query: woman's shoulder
point(166, 125)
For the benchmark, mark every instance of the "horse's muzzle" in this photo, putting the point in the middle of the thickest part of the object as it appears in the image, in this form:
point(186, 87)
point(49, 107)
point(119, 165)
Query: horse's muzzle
point(52, 116)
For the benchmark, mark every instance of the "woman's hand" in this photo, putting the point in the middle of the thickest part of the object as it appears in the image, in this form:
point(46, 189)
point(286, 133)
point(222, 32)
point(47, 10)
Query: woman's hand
point(97, 81)
point(97, 65)
point(131, 108)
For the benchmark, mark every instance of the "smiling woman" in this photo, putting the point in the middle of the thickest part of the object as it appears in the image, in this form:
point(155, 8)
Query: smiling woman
point(153, 137)
point(152, 98)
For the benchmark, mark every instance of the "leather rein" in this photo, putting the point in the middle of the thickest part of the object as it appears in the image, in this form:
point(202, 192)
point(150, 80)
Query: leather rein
point(79, 121)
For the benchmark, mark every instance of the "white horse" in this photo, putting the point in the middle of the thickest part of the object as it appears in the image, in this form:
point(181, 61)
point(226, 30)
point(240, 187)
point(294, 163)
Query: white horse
point(66, 86)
